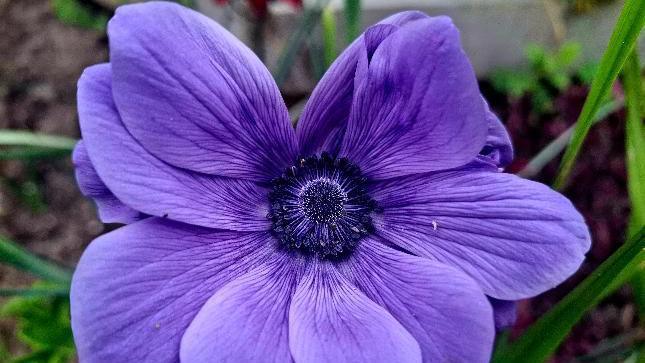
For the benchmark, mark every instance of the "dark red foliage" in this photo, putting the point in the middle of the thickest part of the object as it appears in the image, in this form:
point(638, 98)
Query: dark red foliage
point(261, 7)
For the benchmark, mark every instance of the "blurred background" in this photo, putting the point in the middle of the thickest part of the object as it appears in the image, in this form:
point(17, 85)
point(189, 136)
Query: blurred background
point(535, 60)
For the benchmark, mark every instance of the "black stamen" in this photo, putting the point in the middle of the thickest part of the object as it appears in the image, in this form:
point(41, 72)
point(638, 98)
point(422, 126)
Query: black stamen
point(320, 206)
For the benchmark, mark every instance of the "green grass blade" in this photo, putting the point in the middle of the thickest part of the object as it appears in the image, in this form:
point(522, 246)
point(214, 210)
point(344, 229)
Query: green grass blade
point(25, 145)
point(353, 19)
point(329, 35)
point(635, 139)
point(309, 20)
point(628, 27)
point(635, 155)
point(31, 153)
point(14, 255)
point(26, 138)
point(49, 291)
point(541, 339)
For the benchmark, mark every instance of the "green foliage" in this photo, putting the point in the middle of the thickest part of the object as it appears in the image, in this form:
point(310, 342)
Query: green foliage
point(635, 140)
point(549, 73)
point(626, 32)
point(91, 14)
point(43, 325)
point(14, 255)
point(541, 339)
point(635, 155)
point(81, 13)
point(4, 353)
point(329, 35)
point(26, 145)
point(353, 19)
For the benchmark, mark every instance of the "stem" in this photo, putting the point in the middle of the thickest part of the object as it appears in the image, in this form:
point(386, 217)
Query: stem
point(26, 138)
point(62, 290)
point(19, 258)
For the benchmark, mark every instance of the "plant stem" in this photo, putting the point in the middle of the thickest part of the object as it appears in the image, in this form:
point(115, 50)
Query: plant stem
point(26, 138)
point(19, 258)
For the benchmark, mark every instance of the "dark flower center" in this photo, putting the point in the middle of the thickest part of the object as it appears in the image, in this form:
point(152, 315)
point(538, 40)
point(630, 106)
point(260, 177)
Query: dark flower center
point(320, 206)
point(323, 200)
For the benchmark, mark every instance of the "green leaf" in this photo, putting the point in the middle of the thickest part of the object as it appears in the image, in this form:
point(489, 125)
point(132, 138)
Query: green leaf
point(568, 54)
point(635, 159)
point(329, 35)
point(16, 256)
point(43, 325)
point(81, 14)
point(628, 27)
point(31, 153)
point(26, 138)
point(541, 339)
point(4, 352)
point(353, 18)
point(635, 139)
point(513, 83)
point(48, 291)
point(586, 72)
point(536, 55)
point(25, 145)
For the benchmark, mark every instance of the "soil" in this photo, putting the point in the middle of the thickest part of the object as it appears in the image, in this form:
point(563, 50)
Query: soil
point(41, 60)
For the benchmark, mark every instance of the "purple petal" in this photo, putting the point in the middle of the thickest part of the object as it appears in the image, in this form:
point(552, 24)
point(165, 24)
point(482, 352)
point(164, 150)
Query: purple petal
point(195, 96)
point(515, 237)
point(110, 208)
point(504, 312)
point(331, 321)
point(417, 106)
point(136, 290)
point(498, 148)
point(324, 118)
point(151, 186)
point(247, 320)
point(440, 306)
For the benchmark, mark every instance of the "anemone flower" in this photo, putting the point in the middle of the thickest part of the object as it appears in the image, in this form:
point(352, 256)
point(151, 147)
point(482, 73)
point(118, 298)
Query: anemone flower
point(380, 229)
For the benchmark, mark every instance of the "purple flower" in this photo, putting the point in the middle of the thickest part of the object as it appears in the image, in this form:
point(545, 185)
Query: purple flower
point(376, 231)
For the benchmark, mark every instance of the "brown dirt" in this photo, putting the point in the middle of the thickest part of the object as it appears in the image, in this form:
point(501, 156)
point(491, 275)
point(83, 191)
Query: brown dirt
point(41, 59)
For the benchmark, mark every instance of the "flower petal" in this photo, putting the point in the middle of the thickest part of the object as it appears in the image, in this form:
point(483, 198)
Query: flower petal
point(324, 118)
point(440, 306)
point(515, 237)
point(110, 208)
point(151, 186)
point(498, 148)
point(247, 320)
point(417, 106)
point(195, 96)
point(136, 289)
point(331, 321)
point(504, 312)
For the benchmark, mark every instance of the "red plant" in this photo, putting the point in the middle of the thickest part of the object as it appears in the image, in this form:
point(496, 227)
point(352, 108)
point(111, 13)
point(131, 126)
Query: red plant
point(261, 7)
